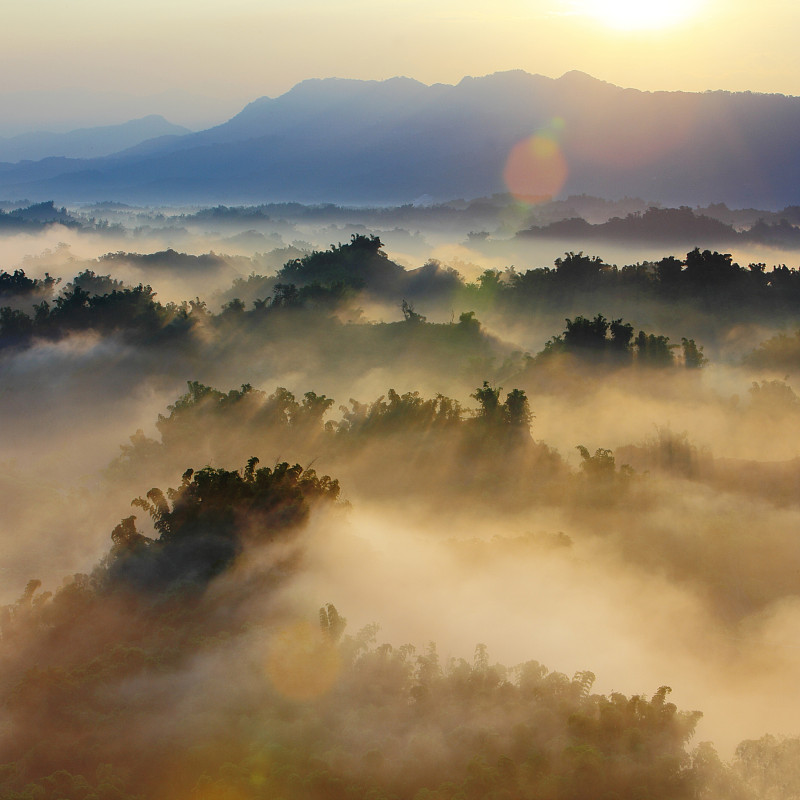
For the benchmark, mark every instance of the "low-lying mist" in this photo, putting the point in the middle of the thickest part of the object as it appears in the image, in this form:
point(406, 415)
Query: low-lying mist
point(588, 469)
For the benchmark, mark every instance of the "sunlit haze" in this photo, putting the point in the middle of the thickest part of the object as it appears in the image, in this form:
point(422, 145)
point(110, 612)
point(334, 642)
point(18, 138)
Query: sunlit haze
point(634, 14)
point(399, 401)
point(229, 55)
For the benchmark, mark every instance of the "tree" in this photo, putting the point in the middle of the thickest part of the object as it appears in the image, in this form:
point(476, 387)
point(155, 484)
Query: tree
point(601, 465)
point(654, 351)
point(468, 322)
point(331, 624)
point(516, 409)
point(582, 333)
point(693, 357)
point(577, 268)
point(204, 523)
point(621, 335)
point(710, 269)
point(668, 271)
point(286, 296)
point(489, 399)
point(410, 315)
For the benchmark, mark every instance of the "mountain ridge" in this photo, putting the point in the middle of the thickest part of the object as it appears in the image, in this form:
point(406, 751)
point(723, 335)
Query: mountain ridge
point(346, 140)
point(88, 142)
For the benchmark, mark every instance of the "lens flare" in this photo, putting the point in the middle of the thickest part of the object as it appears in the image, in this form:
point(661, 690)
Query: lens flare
point(301, 663)
point(536, 169)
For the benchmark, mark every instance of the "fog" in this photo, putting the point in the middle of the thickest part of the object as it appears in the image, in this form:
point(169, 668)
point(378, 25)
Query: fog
point(630, 518)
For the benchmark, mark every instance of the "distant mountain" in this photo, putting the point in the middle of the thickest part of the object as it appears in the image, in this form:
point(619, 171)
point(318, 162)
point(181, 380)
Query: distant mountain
point(67, 109)
point(394, 141)
point(86, 142)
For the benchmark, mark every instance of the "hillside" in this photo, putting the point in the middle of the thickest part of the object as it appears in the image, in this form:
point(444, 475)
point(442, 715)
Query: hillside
point(397, 140)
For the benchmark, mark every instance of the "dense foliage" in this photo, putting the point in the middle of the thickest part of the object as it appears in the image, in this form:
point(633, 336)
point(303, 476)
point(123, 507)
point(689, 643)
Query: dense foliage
point(203, 525)
point(329, 280)
point(185, 665)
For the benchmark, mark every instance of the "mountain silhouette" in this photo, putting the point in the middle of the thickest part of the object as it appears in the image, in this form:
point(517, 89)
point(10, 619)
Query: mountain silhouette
point(87, 142)
point(350, 141)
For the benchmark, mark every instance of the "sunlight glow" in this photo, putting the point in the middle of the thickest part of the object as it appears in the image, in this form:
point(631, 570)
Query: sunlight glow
point(638, 15)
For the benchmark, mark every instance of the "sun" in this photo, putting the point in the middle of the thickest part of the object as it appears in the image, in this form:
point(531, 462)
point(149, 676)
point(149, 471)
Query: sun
point(639, 14)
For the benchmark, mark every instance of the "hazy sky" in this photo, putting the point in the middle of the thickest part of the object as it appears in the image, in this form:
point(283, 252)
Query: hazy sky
point(234, 52)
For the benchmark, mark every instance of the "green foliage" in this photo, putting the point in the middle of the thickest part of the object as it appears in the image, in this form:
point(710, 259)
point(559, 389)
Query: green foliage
point(330, 623)
point(17, 283)
point(654, 351)
point(604, 483)
point(15, 325)
point(601, 465)
point(514, 412)
point(578, 268)
point(693, 357)
point(668, 271)
point(279, 409)
point(356, 264)
point(589, 340)
point(489, 399)
point(397, 413)
point(582, 333)
point(204, 523)
point(709, 269)
point(324, 282)
point(89, 281)
point(468, 321)
point(133, 311)
point(524, 732)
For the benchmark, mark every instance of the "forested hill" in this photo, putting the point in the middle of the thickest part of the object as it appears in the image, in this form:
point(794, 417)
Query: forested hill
point(396, 140)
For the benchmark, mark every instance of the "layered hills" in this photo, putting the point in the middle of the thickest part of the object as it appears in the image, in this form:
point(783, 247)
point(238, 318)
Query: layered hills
point(399, 140)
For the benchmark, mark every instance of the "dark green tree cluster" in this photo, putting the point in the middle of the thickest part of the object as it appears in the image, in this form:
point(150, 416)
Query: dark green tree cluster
point(325, 281)
point(390, 413)
point(133, 311)
point(655, 351)
point(241, 416)
point(390, 722)
point(706, 278)
point(358, 263)
point(205, 522)
point(89, 281)
point(599, 340)
point(514, 412)
point(579, 268)
point(201, 405)
point(167, 259)
point(401, 444)
point(603, 482)
point(18, 284)
point(396, 413)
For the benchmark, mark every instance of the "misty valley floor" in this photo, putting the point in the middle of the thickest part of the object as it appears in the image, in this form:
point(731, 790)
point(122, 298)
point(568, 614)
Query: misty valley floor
point(452, 531)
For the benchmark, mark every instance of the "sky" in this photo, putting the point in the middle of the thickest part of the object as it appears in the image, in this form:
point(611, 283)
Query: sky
point(200, 62)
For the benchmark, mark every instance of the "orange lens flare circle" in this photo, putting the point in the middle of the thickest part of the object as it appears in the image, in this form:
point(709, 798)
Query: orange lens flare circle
point(536, 169)
point(302, 663)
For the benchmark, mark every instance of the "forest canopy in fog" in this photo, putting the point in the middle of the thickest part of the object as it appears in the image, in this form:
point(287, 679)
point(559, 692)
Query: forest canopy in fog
point(311, 522)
